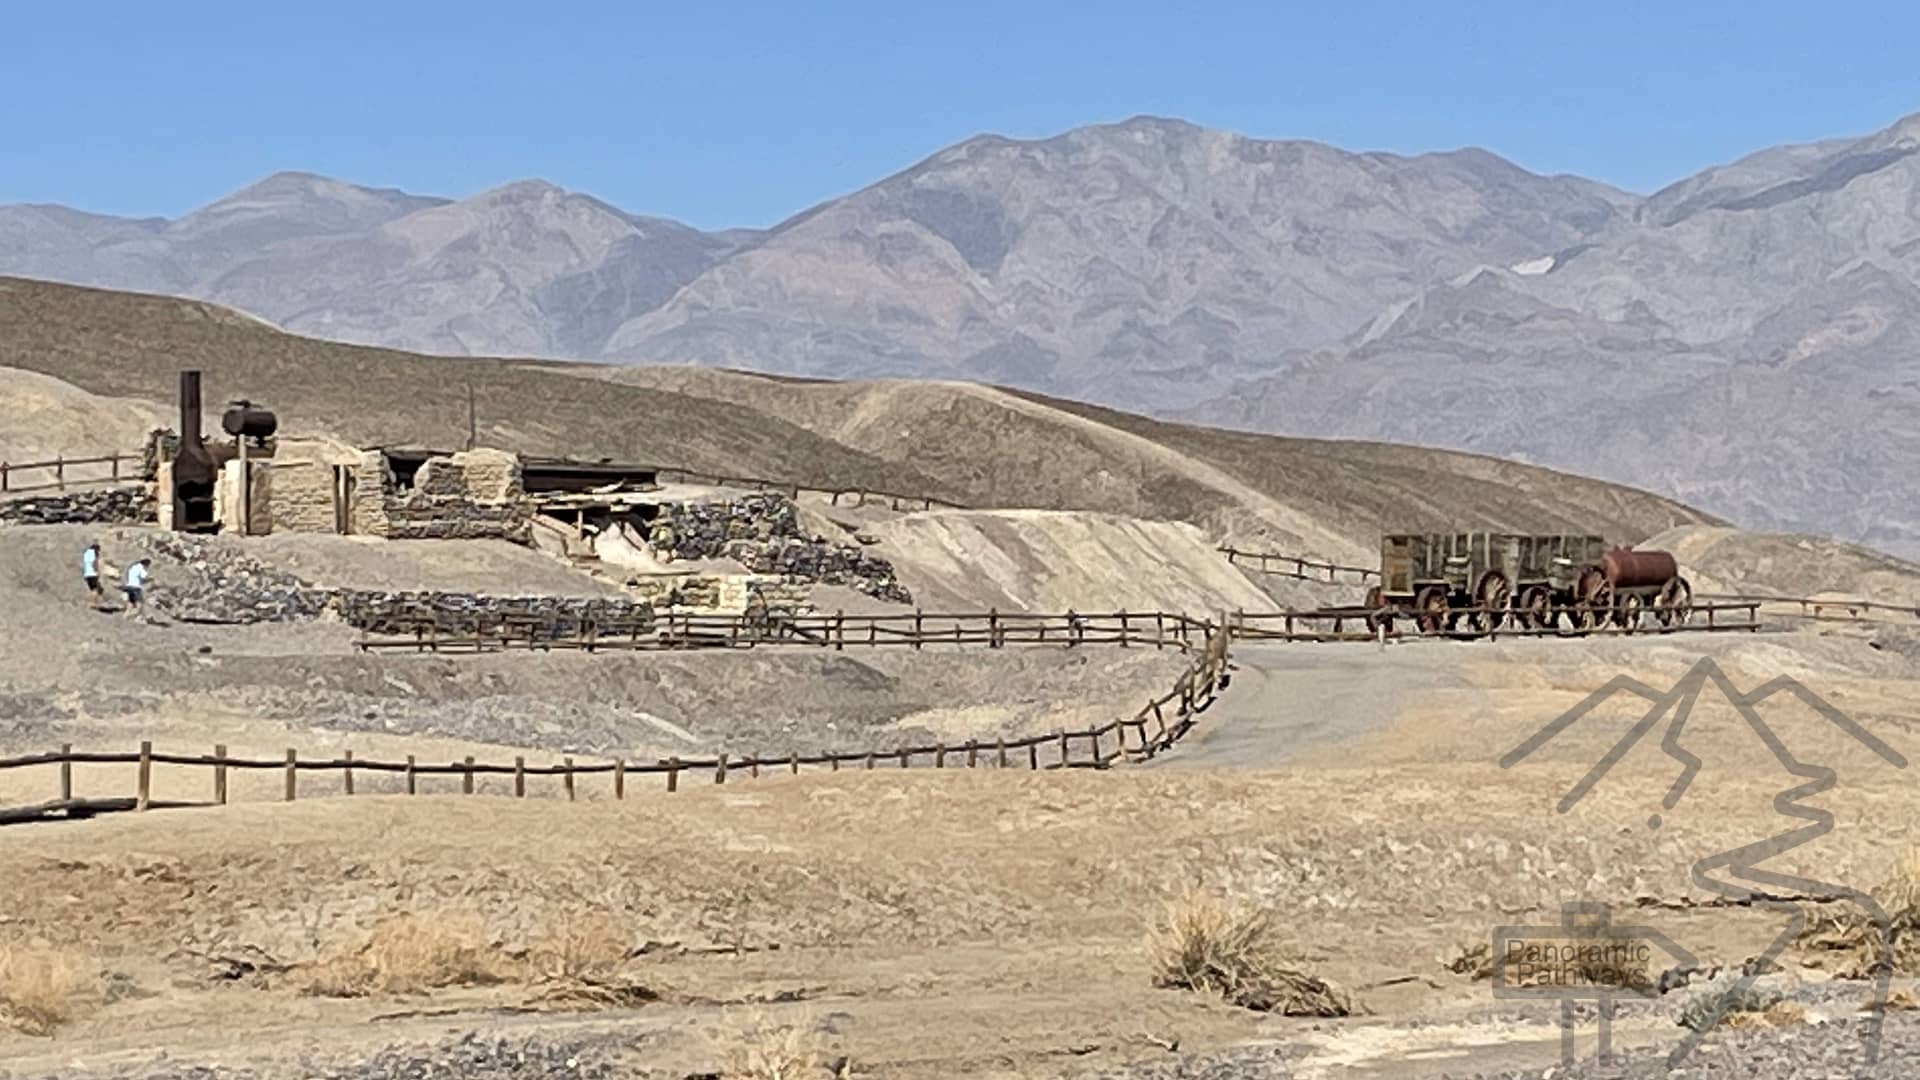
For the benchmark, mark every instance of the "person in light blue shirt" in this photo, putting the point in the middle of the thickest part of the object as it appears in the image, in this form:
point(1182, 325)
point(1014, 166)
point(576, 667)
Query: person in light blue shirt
point(90, 568)
point(136, 586)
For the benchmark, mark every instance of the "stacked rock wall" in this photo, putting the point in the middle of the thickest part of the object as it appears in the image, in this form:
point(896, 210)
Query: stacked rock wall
point(472, 495)
point(546, 616)
point(95, 506)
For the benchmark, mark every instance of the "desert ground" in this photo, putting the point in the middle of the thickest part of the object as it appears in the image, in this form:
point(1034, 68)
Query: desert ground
point(1306, 885)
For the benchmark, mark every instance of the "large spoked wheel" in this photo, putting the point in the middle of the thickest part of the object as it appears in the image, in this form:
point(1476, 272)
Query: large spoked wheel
point(1627, 612)
point(1491, 599)
point(1594, 607)
point(1379, 615)
point(1430, 609)
point(1676, 603)
point(1535, 610)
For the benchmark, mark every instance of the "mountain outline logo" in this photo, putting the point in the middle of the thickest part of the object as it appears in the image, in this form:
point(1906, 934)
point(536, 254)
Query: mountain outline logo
point(1735, 874)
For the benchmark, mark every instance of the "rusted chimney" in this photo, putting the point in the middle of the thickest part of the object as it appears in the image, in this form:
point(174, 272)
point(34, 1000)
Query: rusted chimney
point(193, 467)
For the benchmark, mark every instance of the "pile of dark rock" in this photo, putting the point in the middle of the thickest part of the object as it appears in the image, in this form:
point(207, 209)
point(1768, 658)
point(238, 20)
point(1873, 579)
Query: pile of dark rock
point(818, 560)
point(96, 506)
point(541, 617)
point(704, 530)
point(200, 579)
point(1899, 640)
point(762, 533)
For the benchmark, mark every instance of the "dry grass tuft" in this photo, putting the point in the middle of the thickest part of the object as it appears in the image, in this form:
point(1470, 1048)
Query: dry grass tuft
point(757, 1048)
point(1848, 944)
point(580, 948)
point(1736, 1006)
point(42, 988)
point(410, 954)
point(1208, 944)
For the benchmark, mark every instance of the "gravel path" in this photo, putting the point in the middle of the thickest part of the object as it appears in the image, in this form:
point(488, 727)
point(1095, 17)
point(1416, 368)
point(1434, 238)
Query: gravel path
point(469, 1056)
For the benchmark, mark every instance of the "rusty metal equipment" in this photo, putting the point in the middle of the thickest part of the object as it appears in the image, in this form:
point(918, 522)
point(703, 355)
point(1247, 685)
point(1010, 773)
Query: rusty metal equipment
point(193, 467)
point(1624, 584)
point(244, 419)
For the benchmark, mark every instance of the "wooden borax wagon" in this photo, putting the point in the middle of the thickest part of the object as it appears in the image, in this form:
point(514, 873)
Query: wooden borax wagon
point(1488, 576)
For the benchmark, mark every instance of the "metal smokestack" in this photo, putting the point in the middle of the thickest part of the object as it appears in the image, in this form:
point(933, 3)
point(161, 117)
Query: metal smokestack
point(193, 467)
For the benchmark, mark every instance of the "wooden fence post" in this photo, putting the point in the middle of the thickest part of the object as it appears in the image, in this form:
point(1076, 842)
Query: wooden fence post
point(347, 773)
point(1095, 736)
point(973, 752)
point(144, 793)
point(293, 774)
point(519, 776)
point(1123, 628)
point(720, 770)
point(566, 776)
point(916, 629)
point(793, 762)
point(220, 774)
point(1033, 756)
point(904, 756)
point(673, 774)
point(620, 778)
point(60, 471)
point(869, 759)
point(1063, 748)
point(466, 776)
point(839, 631)
point(1000, 750)
point(993, 628)
point(413, 787)
point(66, 772)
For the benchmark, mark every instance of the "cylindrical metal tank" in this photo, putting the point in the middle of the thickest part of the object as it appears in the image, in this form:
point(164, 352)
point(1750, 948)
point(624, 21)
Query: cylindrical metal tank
point(249, 420)
point(1628, 569)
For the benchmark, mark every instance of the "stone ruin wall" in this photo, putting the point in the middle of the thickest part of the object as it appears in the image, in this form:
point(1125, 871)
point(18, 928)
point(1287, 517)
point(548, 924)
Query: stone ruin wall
point(762, 532)
point(475, 494)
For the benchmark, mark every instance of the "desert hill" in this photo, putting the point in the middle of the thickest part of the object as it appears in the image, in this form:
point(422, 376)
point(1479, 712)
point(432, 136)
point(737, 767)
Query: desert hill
point(976, 445)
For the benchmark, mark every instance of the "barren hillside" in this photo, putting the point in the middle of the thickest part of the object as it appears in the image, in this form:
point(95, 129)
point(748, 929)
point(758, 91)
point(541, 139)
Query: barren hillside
point(1001, 448)
point(964, 442)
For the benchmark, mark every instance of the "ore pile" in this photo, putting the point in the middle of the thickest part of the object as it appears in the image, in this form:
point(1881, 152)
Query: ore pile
point(101, 506)
point(196, 579)
point(817, 560)
point(762, 532)
point(539, 617)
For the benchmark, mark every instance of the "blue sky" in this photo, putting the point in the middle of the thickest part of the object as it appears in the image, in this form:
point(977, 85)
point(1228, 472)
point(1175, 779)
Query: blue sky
point(742, 113)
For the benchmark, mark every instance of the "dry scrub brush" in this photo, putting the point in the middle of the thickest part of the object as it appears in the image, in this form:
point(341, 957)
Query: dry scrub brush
point(1849, 944)
point(758, 1048)
point(410, 954)
point(42, 987)
point(1205, 943)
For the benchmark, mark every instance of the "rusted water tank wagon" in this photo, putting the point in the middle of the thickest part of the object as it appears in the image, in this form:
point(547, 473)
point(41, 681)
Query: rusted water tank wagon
point(244, 418)
point(1625, 583)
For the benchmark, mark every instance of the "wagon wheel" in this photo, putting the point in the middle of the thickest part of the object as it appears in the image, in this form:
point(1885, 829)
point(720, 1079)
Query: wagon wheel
point(1379, 616)
point(1535, 609)
point(1430, 609)
point(1493, 596)
point(1593, 599)
point(1629, 611)
point(1676, 602)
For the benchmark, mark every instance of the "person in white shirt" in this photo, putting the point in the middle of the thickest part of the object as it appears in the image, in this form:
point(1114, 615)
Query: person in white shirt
point(136, 585)
point(90, 569)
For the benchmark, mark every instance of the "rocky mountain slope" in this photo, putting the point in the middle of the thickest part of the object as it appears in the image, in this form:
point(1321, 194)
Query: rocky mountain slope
point(1749, 342)
point(961, 442)
point(1700, 342)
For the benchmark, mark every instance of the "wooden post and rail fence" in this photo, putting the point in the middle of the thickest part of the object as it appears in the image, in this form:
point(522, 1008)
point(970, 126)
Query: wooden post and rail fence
point(1156, 727)
point(57, 474)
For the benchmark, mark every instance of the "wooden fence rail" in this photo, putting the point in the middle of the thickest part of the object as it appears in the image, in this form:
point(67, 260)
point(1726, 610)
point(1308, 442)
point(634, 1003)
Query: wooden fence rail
point(1820, 609)
point(1296, 566)
point(1156, 727)
point(919, 630)
point(858, 495)
point(61, 480)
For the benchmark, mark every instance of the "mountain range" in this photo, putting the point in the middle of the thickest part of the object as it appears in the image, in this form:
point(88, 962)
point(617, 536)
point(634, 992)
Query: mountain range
point(1742, 339)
